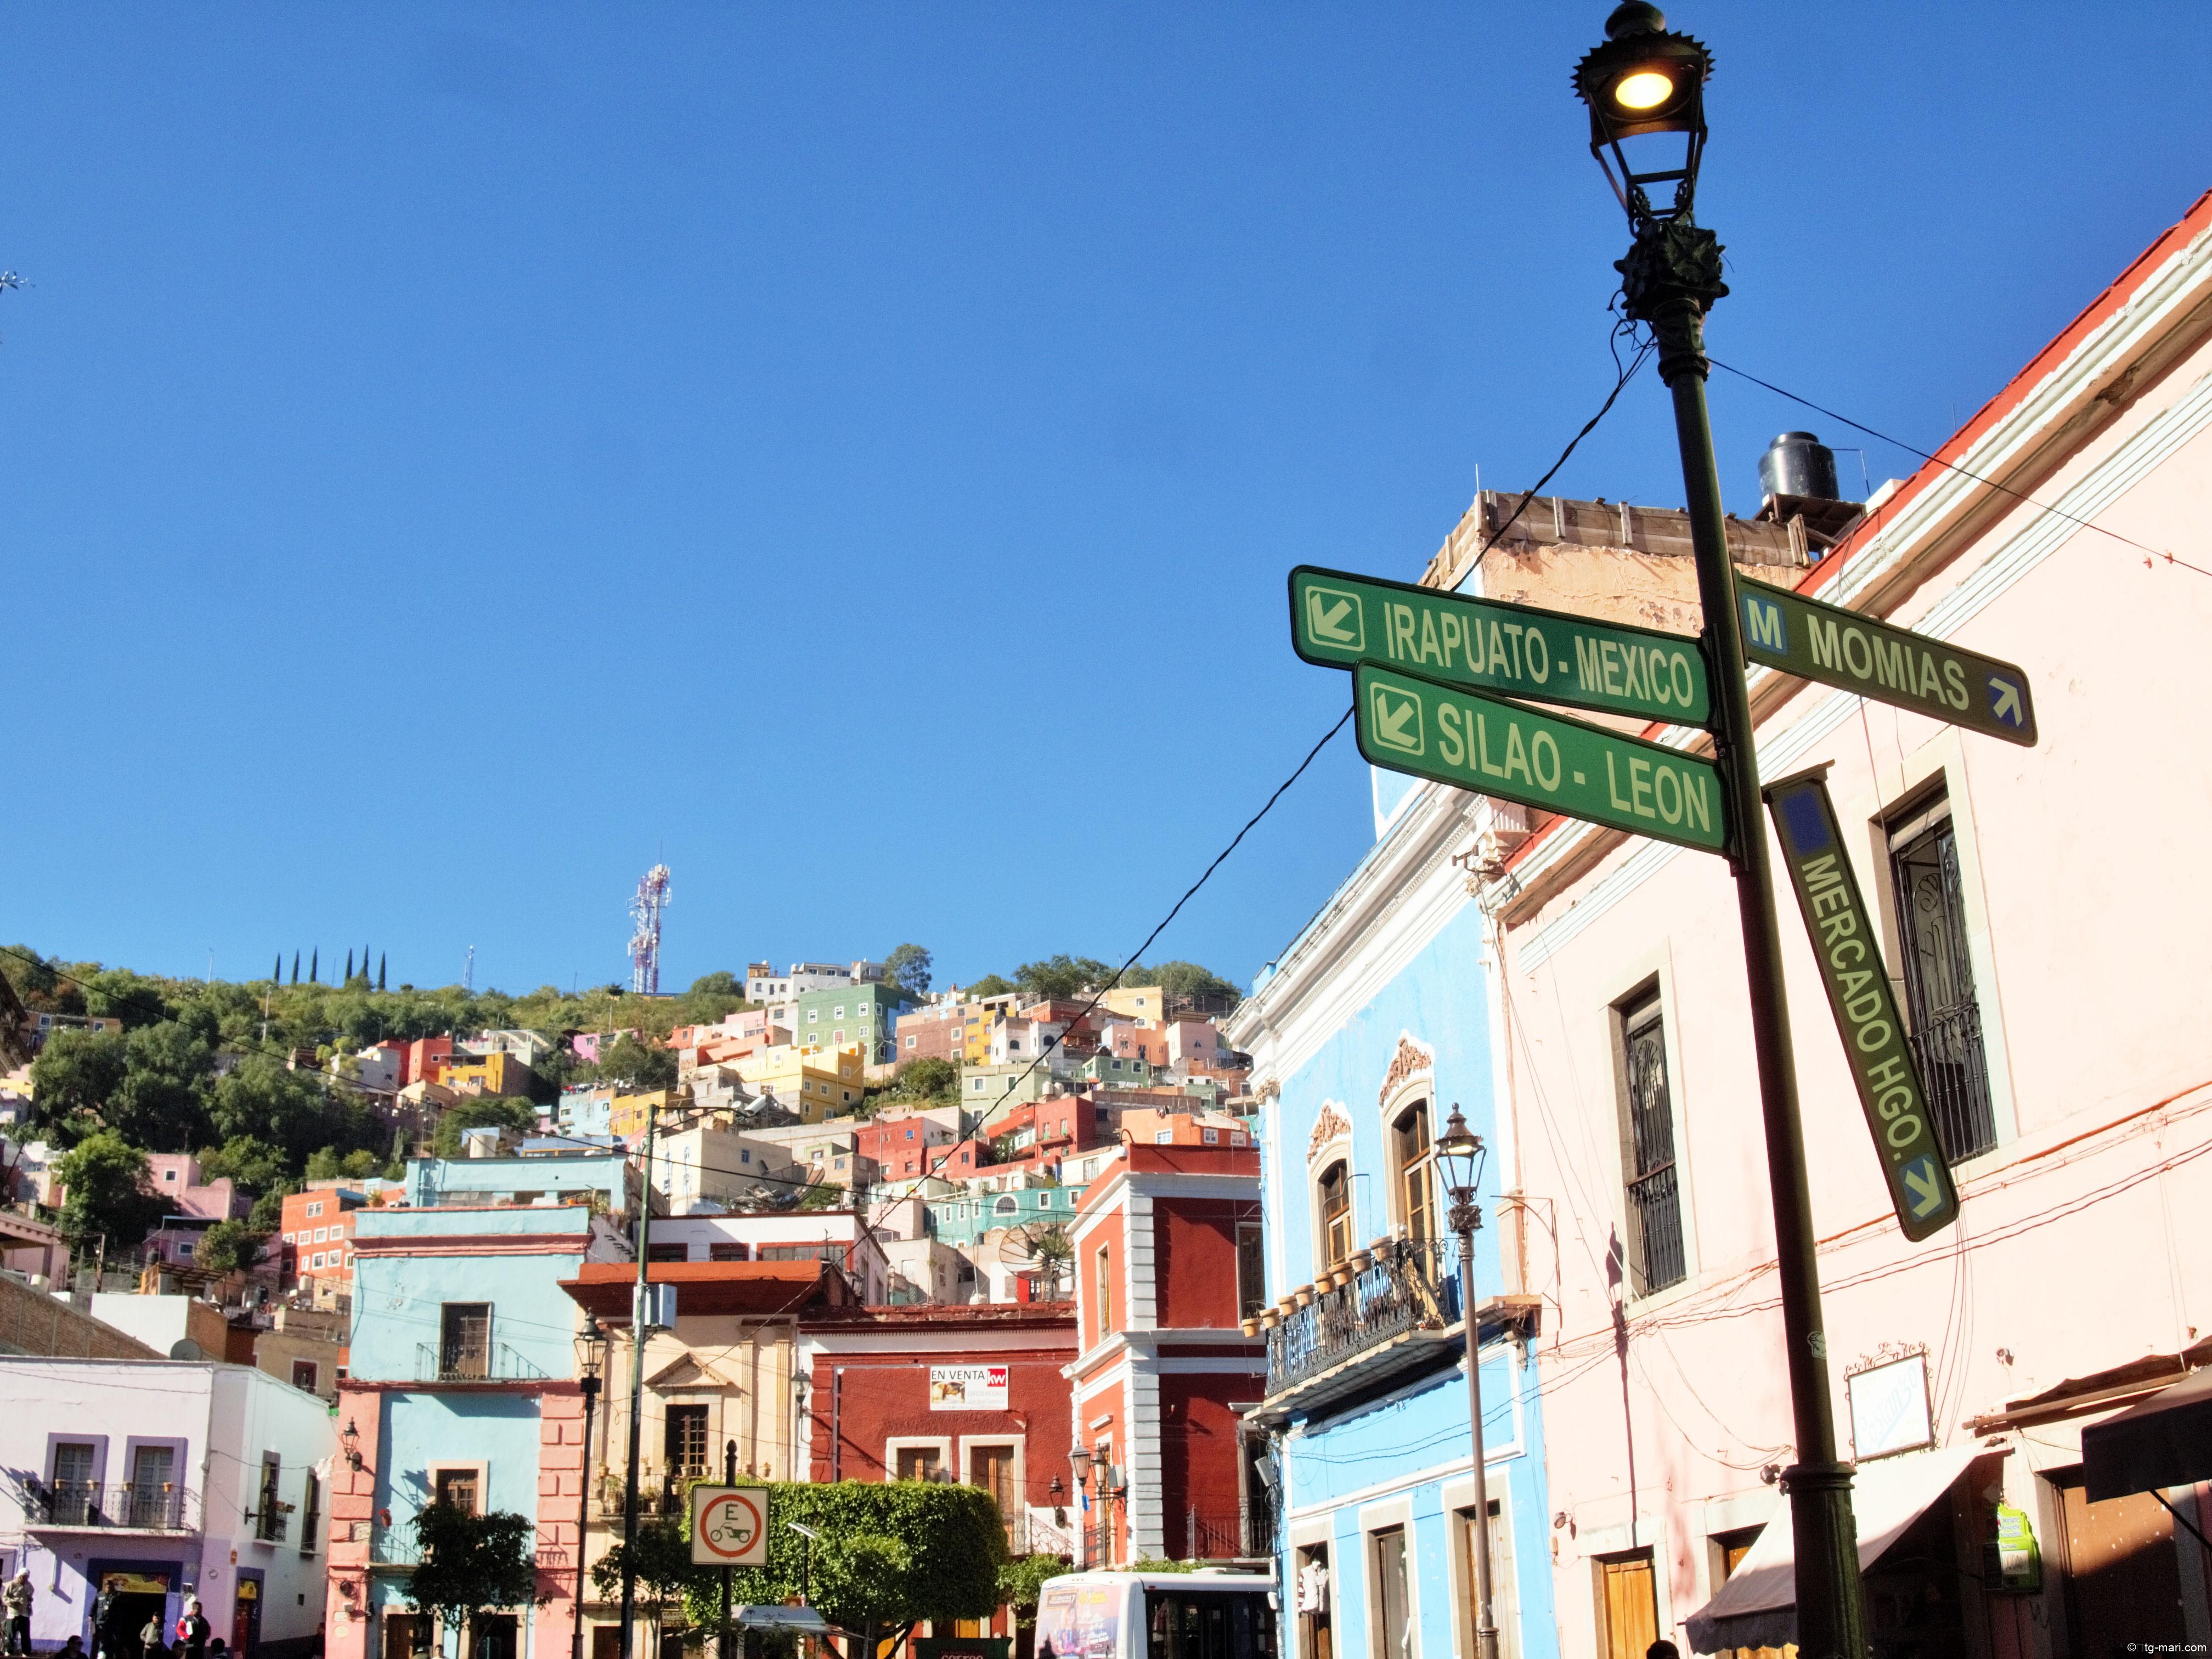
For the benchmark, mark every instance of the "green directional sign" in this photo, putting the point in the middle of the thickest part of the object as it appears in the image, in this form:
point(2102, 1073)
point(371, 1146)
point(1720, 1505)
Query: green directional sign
point(1465, 738)
point(1846, 944)
point(1338, 621)
point(1824, 642)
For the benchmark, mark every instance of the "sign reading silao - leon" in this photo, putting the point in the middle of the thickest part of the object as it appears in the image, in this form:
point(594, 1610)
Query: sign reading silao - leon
point(1338, 620)
point(1473, 741)
point(1845, 943)
point(1824, 642)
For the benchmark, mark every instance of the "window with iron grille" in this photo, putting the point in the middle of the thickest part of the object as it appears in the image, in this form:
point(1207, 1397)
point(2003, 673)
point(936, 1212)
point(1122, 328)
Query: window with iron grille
point(465, 1339)
point(1939, 979)
point(1655, 1196)
point(687, 1441)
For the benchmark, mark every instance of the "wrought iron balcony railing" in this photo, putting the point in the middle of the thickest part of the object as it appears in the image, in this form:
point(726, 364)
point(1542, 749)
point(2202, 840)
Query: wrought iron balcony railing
point(1373, 1299)
point(488, 1362)
point(125, 1508)
point(1244, 1535)
point(1954, 1070)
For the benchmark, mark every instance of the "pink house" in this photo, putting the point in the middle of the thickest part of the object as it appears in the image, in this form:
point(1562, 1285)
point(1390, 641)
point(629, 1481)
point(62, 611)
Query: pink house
point(2048, 937)
point(176, 1177)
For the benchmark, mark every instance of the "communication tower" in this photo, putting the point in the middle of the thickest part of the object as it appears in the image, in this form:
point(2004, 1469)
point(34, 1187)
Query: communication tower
point(644, 941)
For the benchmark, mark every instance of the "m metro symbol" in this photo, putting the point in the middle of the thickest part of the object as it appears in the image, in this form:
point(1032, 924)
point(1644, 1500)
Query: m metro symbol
point(1396, 717)
point(1763, 626)
point(1337, 618)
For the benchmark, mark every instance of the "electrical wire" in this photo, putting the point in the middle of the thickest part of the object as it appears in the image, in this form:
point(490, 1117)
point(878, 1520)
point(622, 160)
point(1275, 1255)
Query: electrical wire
point(1964, 472)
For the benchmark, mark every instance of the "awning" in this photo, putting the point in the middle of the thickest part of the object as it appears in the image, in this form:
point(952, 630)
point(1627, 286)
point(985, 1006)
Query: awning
point(767, 1615)
point(2166, 1441)
point(1758, 1606)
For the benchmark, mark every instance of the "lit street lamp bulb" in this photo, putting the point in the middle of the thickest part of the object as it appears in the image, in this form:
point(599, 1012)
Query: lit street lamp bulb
point(1643, 88)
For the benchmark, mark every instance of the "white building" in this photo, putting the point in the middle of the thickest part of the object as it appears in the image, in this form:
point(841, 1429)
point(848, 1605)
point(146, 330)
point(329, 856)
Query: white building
point(166, 1478)
point(721, 1166)
point(764, 984)
point(837, 1235)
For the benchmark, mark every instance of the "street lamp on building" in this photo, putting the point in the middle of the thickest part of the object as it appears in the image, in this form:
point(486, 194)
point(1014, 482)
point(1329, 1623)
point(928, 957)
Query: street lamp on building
point(1460, 1153)
point(1644, 87)
point(590, 1349)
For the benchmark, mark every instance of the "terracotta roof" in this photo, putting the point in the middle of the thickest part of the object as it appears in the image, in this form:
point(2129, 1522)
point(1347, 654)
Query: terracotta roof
point(948, 1317)
point(603, 1288)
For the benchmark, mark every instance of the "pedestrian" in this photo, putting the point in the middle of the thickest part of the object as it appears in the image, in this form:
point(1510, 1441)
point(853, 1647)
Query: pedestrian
point(106, 1613)
point(150, 1645)
point(192, 1631)
point(74, 1648)
point(1663, 1649)
point(218, 1648)
point(17, 1599)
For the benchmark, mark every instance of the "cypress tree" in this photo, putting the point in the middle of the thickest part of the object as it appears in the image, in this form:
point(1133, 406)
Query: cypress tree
point(315, 965)
point(364, 962)
point(296, 967)
point(347, 980)
point(380, 973)
point(277, 974)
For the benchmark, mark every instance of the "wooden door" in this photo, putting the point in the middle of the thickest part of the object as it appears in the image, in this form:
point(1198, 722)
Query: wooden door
point(1631, 1606)
point(1390, 1589)
point(2123, 1579)
point(992, 1467)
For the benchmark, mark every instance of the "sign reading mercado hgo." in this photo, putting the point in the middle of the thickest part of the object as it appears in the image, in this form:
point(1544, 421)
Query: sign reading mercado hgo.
point(1471, 741)
point(1844, 943)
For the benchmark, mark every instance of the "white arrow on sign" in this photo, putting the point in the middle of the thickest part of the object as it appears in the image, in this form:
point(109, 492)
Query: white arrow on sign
point(1927, 1191)
point(2005, 701)
point(1329, 622)
point(1390, 722)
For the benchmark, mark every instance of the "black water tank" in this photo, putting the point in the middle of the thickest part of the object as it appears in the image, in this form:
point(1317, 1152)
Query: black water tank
point(1798, 463)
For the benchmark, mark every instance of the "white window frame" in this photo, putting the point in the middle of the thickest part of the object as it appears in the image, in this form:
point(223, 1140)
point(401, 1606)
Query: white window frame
point(940, 1444)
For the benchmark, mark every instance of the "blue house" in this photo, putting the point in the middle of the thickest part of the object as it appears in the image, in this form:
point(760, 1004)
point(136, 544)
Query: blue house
point(1365, 1033)
point(461, 1389)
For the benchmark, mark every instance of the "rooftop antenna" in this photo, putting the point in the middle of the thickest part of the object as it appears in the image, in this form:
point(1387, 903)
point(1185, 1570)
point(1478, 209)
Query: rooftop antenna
point(645, 911)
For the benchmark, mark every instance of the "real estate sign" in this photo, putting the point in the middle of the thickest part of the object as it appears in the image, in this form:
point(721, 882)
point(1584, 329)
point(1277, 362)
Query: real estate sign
point(1824, 642)
point(1338, 620)
point(1471, 741)
point(967, 1388)
point(1846, 946)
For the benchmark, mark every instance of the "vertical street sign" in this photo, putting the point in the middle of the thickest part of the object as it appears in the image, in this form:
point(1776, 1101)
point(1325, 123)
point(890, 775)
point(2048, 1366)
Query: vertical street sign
point(1824, 642)
point(1338, 620)
point(1472, 741)
point(1845, 943)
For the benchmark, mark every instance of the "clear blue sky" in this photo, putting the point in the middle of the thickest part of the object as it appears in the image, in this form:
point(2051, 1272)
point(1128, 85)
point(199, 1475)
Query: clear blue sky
point(459, 455)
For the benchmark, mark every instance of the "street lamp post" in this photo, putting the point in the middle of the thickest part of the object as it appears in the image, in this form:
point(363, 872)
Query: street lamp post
point(640, 1308)
point(1645, 90)
point(589, 1342)
point(1460, 1153)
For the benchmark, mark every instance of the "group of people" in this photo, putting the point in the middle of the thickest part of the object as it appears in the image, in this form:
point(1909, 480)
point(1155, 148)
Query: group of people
point(193, 1637)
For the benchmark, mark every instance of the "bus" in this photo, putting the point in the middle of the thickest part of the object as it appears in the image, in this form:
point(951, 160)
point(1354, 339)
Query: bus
point(1211, 1614)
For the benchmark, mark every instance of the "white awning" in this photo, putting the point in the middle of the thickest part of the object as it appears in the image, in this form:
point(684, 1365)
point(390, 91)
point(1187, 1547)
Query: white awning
point(1758, 1606)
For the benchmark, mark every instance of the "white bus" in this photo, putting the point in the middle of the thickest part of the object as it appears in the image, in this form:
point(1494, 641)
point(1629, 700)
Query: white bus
point(1208, 1614)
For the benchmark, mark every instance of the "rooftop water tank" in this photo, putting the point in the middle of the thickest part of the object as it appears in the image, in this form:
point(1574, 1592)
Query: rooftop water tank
point(1798, 463)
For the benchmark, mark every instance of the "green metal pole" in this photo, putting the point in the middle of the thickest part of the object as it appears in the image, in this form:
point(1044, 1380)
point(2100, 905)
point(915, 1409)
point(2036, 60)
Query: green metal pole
point(637, 1312)
point(1673, 277)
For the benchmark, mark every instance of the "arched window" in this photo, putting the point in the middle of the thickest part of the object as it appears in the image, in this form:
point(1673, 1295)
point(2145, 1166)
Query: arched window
point(1414, 1162)
point(1335, 1213)
point(1005, 1206)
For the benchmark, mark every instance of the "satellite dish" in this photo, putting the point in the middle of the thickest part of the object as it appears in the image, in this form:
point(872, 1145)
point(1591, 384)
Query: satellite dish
point(184, 1348)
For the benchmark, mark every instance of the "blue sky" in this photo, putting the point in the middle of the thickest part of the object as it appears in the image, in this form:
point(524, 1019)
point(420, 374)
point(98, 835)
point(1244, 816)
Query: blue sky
point(457, 456)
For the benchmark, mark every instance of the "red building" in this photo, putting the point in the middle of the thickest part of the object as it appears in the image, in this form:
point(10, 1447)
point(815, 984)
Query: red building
point(425, 1059)
point(977, 1395)
point(316, 1235)
point(1047, 1130)
point(900, 1143)
point(1167, 1266)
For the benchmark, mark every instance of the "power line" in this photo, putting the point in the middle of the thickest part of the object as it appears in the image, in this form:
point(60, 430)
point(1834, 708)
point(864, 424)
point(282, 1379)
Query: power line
point(1964, 472)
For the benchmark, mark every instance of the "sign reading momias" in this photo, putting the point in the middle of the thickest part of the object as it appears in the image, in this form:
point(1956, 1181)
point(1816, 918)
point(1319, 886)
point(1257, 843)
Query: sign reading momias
point(967, 1388)
point(1471, 741)
point(1338, 620)
point(1845, 945)
point(1839, 648)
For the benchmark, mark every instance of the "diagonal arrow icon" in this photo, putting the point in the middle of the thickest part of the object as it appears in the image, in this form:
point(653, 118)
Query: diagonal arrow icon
point(1922, 1181)
point(1334, 617)
point(1391, 720)
point(2004, 696)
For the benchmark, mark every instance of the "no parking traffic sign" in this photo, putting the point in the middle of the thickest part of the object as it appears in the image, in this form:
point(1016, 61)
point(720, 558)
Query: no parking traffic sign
point(729, 1525)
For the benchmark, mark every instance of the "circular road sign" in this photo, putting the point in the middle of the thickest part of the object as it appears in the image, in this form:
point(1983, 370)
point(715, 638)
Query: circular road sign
point(731, 1528)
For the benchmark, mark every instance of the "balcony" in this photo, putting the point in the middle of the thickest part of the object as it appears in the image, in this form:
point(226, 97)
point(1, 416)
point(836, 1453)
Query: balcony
point(1245, 1534)
point(1388, 1309)
point(490, 1362)
point(76, 1505)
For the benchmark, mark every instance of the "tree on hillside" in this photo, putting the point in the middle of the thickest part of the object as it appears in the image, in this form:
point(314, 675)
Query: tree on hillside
point(293, 1111)
point(926, 1079)
point(1063, 975)
point(472, 1564)
point(891, 1554)
point(1185, 979)
point(992, 985)
point(226, 1246)
point(712, 997)
point(908, 968)
point(485, 1111)
point(251, 1162)
point(380, 973)
point(161, 1102)
point(106, 1179)
point(630, 1064)
point(72, 1078)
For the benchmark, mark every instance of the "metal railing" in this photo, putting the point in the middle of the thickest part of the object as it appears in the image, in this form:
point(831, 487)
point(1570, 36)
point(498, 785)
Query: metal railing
point(127, 1507)
point(1098, 1545)
point(270, 1523)
point(495, 1362)
point(1405, 1286)
point(1955, 1072)
point(1656, 1204)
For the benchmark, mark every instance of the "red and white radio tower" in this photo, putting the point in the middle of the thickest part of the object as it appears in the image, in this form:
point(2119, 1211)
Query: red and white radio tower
point(645, 944)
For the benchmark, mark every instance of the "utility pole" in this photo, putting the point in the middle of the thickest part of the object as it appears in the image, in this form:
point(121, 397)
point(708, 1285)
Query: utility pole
point(729, 1478)
point(639, 1306)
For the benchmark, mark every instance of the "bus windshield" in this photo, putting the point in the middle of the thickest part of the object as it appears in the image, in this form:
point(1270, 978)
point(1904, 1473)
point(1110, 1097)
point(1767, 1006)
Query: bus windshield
point(1199, 1623)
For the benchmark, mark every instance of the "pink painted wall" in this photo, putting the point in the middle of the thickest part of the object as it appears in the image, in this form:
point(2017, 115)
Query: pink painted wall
point(2080, 1246)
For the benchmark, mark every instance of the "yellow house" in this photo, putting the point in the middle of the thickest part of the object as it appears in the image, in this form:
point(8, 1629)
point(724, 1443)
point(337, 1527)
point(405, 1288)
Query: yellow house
point(496, 1073)
point(815, 1083)
point(1136, 1001)
point(626, 1117)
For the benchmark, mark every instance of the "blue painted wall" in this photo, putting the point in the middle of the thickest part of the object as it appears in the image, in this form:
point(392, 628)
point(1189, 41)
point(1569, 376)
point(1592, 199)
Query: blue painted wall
point(1403, 1448)
point(397, 1299)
